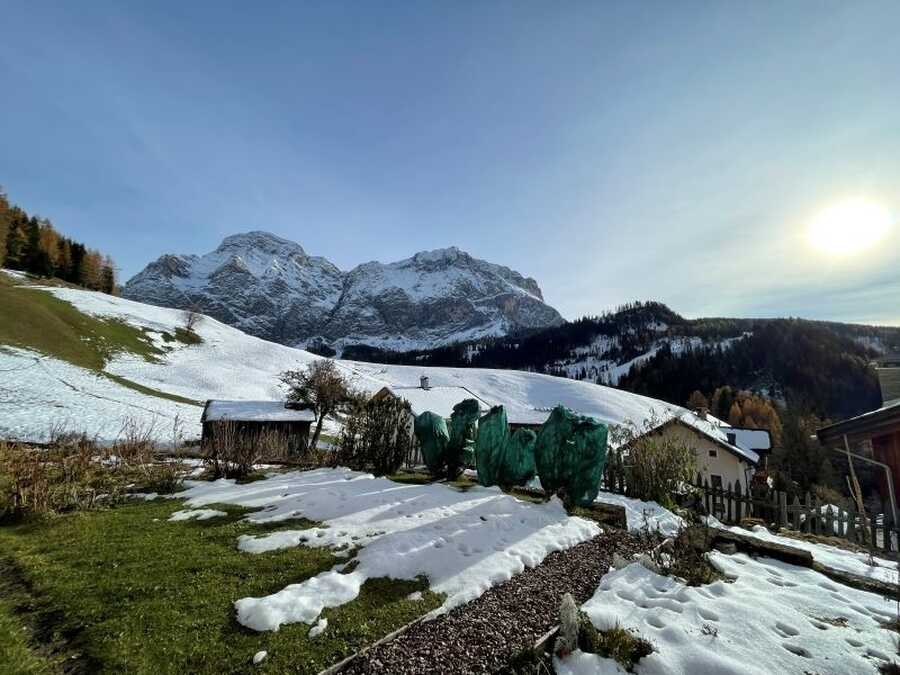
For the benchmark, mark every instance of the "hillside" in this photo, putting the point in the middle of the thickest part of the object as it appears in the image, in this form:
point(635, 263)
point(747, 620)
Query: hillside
point(84, 361)
point(269, 287)
point(821, 367)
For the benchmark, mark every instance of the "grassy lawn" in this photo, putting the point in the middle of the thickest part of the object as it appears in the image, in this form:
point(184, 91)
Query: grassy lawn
point(124, 590)
point(56, 328)
point(16, 653)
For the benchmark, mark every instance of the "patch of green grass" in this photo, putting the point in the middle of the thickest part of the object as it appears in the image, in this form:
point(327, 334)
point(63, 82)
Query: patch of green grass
point(625, 647)
point(56, 328)
point(18, 653)
point(150, 391)
point(131, 592)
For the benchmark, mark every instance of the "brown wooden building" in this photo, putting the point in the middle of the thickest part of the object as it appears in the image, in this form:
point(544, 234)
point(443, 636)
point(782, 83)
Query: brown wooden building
point(879, 427)
point(250, 421)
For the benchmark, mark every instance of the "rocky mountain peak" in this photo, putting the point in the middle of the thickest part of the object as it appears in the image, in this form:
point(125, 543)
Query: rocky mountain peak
point(268, 286)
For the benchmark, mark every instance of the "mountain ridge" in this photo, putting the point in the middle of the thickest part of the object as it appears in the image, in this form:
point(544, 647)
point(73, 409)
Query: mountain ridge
point(270, 287)
point(645, 347)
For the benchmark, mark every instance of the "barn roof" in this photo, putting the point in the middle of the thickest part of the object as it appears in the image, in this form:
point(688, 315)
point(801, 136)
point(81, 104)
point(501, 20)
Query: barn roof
point(884, 420)
point(255, 411)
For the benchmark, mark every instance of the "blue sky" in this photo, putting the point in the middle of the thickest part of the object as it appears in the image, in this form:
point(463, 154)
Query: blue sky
point(673, 151)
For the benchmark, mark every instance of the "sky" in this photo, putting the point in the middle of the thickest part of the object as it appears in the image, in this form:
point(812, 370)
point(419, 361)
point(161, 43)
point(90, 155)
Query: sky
point(612, 151)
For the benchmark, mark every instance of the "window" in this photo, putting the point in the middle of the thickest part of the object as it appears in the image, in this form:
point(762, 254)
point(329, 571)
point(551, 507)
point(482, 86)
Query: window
point(713, 453)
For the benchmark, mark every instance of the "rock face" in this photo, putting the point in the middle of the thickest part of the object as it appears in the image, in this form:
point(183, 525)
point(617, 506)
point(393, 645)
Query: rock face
point(269, 287)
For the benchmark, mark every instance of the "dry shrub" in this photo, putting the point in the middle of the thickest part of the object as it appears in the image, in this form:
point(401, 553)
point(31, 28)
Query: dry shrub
point(232, 451)
point(656, 466)
point(74, 472)
point(684, 556)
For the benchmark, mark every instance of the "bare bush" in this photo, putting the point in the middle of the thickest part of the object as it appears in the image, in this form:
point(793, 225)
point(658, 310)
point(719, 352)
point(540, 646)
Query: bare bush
point(191, 317)
point(232, 450)
point(656, 466)
point(74, 472)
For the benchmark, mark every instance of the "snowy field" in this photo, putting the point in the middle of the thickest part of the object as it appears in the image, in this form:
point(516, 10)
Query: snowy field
point(40, 394)
point(830, 556)
point(229, 364)
point(772, 618)
point(463, 542)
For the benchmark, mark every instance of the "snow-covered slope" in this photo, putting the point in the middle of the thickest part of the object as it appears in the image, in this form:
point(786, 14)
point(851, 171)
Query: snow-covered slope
point(230, 364)
point(270, 287)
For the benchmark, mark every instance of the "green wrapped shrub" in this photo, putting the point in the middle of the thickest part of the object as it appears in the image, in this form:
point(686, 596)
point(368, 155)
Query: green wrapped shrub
point(569, 453)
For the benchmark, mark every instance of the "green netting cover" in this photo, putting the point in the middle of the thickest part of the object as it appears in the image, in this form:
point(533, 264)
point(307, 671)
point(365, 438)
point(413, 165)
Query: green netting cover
point(431, 432)
point(519, 463)
point(501, 458)
point(463, 430)
point(569, 453)
point(491, 445)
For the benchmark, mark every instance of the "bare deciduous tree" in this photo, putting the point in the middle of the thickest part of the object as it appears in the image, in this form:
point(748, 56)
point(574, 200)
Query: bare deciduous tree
point(191, 317)
point(321, 386)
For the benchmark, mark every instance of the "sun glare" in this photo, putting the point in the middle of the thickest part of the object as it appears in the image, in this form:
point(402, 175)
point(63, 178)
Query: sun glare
point(849, 227)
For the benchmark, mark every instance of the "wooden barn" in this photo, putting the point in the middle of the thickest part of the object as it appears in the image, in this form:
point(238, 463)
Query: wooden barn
point(258, 421)
point(877, 432)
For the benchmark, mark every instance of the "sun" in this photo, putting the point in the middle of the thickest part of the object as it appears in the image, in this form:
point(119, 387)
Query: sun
point(849, 227)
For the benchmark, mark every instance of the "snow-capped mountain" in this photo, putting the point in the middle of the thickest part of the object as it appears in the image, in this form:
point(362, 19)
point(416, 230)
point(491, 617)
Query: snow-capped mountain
point(269, 287)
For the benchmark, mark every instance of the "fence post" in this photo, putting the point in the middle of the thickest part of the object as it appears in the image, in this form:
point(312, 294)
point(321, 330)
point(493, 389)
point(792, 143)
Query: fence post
point(739, 496)
point(707, 497)
point(782, 509)
point(730, 509)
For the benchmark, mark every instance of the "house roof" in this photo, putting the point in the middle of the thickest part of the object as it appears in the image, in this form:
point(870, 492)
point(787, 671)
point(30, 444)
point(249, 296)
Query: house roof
point(439, 400)
point(713, 431)
point(884, 420)
point(255, 411)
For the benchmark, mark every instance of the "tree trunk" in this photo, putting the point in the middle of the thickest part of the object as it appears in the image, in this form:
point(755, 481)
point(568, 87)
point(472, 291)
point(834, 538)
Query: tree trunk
point(313, 443)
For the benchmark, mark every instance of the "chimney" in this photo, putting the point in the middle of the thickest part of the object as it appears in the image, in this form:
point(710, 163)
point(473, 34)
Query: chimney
point(701, 413)
point(423, 382)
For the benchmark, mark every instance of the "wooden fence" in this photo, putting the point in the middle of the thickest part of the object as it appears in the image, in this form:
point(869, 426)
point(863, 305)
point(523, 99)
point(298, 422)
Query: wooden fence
point(732, 503)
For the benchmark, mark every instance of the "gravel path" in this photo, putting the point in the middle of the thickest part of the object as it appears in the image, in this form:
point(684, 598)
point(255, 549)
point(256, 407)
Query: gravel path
point(481, 636)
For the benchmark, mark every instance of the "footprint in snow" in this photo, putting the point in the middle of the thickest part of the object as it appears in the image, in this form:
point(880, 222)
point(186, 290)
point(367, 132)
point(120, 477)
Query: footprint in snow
point(798, 650)
point(655, 621)
point(853, 642)
point(707, 614)
point(878, 654)
point(786, 630)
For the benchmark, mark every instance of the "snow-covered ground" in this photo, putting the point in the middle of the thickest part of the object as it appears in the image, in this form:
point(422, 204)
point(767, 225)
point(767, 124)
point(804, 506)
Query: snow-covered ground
point(830, 556)
point(641, 515)
point(229, 364)
point(40, 395)
point(463, 542)
point(772, 618)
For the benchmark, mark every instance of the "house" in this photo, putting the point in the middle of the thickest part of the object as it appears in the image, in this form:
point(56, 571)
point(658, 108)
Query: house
point(254, 421)
point(725, 455)
point(439, 400)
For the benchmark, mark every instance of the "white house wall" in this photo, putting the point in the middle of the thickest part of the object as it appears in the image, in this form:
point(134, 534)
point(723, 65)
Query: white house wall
point(724, 464)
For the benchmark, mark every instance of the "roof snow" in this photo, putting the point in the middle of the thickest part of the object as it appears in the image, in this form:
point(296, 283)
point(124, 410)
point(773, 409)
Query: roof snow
point(255, 411)
point(439, 400)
